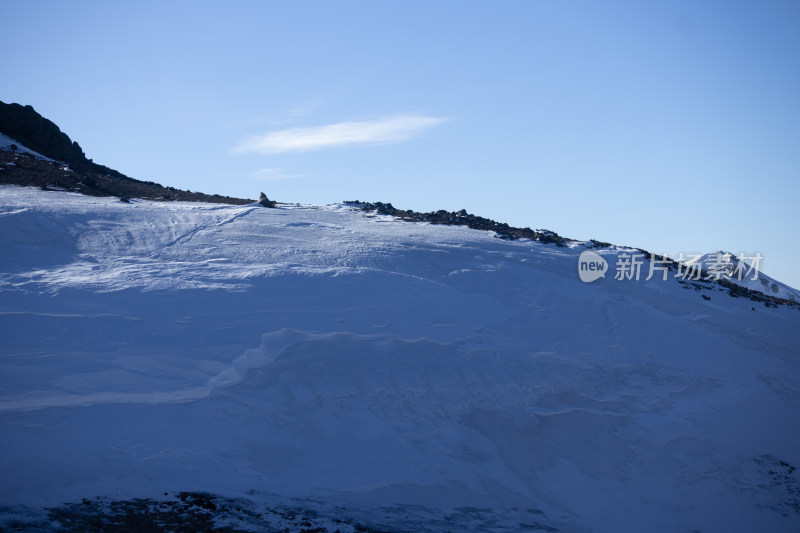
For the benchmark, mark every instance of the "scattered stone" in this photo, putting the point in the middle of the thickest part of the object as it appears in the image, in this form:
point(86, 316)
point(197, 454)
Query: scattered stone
point(462, 218)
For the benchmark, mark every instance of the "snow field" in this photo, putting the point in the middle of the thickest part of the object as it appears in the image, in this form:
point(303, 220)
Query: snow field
point(315, 352)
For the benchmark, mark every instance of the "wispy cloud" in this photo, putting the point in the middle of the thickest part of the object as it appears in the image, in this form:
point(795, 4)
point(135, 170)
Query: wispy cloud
point(303, 110)
point(277, 118)
point(391, 129)
point(273, 174)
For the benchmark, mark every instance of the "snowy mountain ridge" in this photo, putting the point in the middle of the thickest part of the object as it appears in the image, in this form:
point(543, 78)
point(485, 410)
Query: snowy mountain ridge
point(396, 375)
point(731, 270)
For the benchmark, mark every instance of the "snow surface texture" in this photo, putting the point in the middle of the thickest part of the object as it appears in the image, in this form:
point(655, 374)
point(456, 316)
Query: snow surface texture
point(318, 354)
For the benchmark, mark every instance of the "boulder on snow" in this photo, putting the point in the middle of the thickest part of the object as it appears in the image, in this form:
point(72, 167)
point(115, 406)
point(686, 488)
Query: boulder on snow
point(266, 202)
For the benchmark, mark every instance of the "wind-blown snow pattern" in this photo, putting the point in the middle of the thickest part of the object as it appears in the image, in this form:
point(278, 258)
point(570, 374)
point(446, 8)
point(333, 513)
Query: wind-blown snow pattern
point(407, 376)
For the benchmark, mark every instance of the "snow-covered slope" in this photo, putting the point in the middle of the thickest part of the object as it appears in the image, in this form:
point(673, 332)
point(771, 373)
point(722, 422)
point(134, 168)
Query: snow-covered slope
point(419, 377)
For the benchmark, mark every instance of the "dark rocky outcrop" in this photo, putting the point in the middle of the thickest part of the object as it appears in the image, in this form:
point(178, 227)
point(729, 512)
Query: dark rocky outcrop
point(20, 168)
point(29, 128)
point(71, 170)
point(24, 124)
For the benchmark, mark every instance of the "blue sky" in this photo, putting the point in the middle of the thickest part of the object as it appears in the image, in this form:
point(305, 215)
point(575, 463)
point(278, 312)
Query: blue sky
point(673, 125)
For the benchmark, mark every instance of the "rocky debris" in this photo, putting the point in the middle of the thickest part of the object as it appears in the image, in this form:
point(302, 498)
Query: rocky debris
point(266, 202)
point(462, 218)
point(32, 130)
point(199, 511)
point(781, 482)
point(738, 291)
point(21, 168)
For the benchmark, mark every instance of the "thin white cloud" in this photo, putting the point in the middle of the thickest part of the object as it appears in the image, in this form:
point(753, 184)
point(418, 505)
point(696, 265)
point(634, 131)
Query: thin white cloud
point(302, 110)
point(273, 174)
point(396, 128)
point(286, 116)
